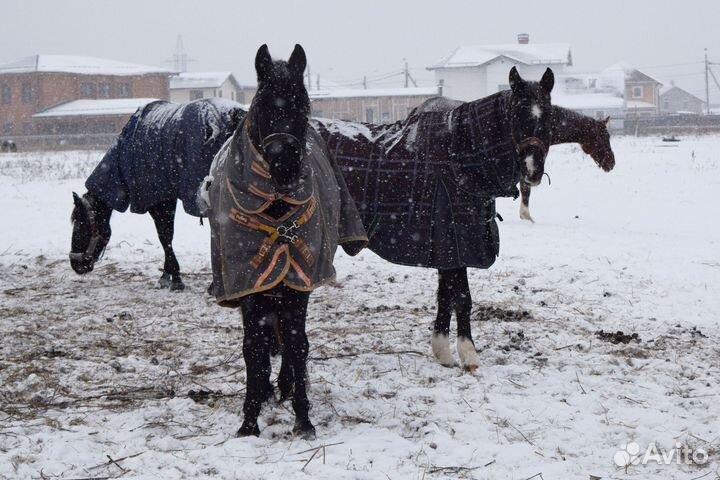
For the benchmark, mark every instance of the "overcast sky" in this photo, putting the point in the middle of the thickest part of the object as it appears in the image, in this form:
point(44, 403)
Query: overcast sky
point(345, 40)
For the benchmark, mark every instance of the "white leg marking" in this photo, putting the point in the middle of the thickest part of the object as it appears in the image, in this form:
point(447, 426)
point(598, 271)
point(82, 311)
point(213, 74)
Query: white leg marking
point(468, 356)
point(525, 213)
point(441, 349)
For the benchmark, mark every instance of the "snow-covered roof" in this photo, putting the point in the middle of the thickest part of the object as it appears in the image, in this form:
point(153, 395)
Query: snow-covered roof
point(529, 54)
point(115, 106)
point(668, 88)
point(582, 101)
point(636, 104)
point(373, 92)
point(77, 65)
point(200, 80)
point(629, 71)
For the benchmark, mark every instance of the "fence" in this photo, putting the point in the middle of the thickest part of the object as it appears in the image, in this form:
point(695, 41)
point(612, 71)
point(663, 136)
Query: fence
point(672, 124)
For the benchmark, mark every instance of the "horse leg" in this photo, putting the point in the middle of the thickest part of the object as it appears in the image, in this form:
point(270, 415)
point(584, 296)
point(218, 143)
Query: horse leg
point(469, 359)
point(258, 316)
point(163, 214)
point(525, 201)
point(441, 328)
point(293, 315)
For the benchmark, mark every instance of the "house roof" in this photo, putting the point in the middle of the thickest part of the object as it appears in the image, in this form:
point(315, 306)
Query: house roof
point(631, 73)
point(200, 80)
point(77, 65)
point(581, 101)
point(115, 106)
point(529, 54)
point(665, 90)
point(373, 92)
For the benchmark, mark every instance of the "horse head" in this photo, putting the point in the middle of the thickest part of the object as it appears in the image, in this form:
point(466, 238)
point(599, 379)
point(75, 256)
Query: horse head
point(599, 148)
point(278, 115)
point(91, 233)
point(530, 123)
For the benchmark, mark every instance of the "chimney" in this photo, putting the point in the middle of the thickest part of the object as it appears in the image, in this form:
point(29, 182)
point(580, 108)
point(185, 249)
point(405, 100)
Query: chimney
point(523, 38)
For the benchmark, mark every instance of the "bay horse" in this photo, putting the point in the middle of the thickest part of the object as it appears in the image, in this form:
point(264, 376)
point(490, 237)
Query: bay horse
point(162, 155)
point(426, 187)
point(572, 127)
point(567, 127)
point(278, 207)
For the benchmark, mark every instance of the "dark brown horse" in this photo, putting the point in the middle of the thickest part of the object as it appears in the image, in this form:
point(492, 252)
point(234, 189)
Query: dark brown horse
point(426, 186)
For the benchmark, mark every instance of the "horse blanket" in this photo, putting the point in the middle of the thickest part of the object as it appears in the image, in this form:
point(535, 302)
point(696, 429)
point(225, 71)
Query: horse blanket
point(163, 153)
point(425, 187)
point(252, 251)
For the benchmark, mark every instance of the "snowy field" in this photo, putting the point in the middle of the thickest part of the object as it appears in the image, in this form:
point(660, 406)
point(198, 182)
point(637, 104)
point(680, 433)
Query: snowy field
point(107, 376)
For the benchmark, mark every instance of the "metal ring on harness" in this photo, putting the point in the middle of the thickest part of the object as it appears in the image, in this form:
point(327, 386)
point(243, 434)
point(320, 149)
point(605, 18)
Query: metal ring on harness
point(282, 136)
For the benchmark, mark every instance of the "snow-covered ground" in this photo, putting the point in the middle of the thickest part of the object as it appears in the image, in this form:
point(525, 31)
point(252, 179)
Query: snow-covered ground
point(108, 366)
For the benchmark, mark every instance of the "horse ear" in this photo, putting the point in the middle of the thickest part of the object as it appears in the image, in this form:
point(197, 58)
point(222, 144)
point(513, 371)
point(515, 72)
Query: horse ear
point(548, 80)
point(606, 121)
point(76, 199)
point(515, 78)
point(263, 62)
point(298, 60)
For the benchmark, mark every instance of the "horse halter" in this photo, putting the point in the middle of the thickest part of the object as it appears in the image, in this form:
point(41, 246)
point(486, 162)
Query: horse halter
point(532, 142)
point(95, 237)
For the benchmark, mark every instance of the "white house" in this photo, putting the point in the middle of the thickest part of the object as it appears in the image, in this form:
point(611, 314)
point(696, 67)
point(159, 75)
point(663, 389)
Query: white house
point(188, 86)
point(476, 71)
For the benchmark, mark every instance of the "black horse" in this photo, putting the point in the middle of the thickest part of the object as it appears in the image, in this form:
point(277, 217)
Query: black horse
point(162, 155)
point(426, 187)
point(275, 197)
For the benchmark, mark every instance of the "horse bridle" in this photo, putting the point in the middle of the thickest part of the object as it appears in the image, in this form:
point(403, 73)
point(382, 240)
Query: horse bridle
point(532, 142)
point(95, 237)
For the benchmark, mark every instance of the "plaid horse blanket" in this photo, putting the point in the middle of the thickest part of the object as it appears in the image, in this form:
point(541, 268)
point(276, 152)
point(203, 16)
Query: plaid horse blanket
point(252, 251)
point(425, 187)
point(163, 153)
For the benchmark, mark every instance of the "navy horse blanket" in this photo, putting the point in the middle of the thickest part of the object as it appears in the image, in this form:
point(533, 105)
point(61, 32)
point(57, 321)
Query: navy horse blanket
point(163, 153)
point(425, 187)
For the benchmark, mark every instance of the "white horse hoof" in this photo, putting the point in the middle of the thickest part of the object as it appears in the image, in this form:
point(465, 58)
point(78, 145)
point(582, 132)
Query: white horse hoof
point(525, 213)
point(469, 358)
point(441, 350)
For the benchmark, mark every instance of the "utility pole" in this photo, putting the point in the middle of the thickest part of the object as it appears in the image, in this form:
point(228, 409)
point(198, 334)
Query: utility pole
point(318, 82)
point(407, 73)
point(707, 86)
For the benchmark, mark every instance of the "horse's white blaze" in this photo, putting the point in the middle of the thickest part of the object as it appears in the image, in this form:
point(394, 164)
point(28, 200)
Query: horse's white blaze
point(468, 356)
point(536, 111)
point(441, 349)
point(530, 165)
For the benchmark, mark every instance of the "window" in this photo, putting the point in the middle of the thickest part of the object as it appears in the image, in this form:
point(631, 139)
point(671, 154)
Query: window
point(123, 90)
point(219, 93)
point(232, 96)
point(6, 94)
point(105, 90)
point(196, 94)
point(369, 115)
point(27, 92)
point(637, 92)
point(88, 90)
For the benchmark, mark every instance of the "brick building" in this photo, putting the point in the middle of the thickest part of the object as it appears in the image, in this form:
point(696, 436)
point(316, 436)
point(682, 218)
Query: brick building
point(39, 83)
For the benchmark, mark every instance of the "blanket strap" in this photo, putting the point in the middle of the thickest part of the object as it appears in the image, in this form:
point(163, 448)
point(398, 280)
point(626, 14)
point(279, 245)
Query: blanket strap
point(286, 232)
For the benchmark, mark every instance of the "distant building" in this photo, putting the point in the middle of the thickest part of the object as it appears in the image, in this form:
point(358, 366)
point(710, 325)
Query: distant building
point(385, 105)
point(598, 95)
point(189, 86)
point(642, 92)
point(675, 100)
point(476, 71)
point(39, 83)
